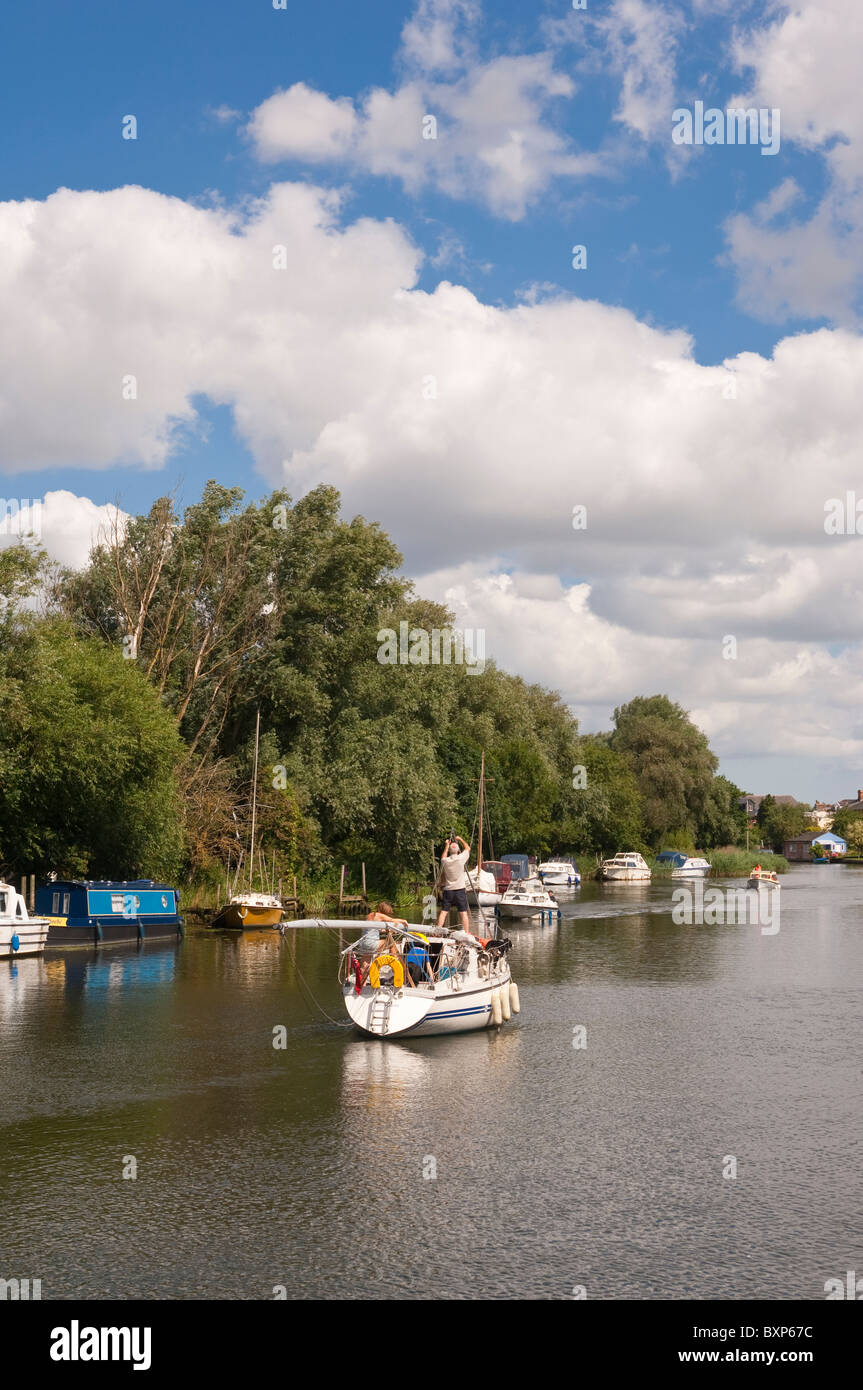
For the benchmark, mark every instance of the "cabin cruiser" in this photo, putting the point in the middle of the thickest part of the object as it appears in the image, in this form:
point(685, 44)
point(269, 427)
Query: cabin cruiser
point(562, 873)
point(423, 981)
point(684, 865)
point(628, 867)
point(527, 897)
point(20, 934)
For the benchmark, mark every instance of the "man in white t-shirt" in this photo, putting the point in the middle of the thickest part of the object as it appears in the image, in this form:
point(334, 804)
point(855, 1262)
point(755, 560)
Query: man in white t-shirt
point(454, 881)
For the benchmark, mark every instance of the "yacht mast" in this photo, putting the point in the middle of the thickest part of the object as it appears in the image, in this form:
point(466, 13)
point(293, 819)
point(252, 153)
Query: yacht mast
point(254, 804)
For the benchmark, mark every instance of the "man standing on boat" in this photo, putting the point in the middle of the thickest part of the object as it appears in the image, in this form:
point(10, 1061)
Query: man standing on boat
point(454, 881)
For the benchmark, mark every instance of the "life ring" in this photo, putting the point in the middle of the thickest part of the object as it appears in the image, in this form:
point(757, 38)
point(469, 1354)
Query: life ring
point(374, 975)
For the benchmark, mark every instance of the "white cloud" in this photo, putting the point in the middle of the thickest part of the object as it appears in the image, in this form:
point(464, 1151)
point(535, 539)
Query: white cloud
point(466, 429)
point(806, 61)
point(493, 140)
point(65, 525)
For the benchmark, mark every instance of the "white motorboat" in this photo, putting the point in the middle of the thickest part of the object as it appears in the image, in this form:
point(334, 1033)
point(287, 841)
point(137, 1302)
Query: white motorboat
point(763, 878)
point(470, 986)
point(20, 934)
point(560, 873)
point(692, 867)
point(528, 897)
point(628, 867)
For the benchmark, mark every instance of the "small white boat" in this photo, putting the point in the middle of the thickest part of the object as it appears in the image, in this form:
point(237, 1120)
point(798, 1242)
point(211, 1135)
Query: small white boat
point(628, 867)
point(20, 934)
point(692, 867)
point(560, 873)
point(527, 897)
point(471, 985)
point(763, 878)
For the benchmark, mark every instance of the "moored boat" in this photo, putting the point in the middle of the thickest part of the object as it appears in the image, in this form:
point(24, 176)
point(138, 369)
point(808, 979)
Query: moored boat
point(560, 873)
point(84, 912)
point(528, 897)
point(626, 867)
point(684, 865)
point(20, 934)
point(246, 908)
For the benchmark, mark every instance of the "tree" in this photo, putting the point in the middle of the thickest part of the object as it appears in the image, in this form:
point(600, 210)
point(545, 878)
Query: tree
point(88, 760)
point(672, 763)
point(779, 822)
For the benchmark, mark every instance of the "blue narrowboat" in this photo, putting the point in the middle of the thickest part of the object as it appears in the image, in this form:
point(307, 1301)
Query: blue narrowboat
point(85, 913)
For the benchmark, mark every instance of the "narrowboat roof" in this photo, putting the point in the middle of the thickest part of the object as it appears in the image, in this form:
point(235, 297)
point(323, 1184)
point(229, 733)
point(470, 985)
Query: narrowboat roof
point(107, 883)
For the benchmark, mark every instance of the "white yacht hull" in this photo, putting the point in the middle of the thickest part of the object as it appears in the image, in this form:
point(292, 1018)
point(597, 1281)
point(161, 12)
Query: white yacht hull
point(691, 873)
point(31, 936)
point(558, 879)
point(423, 1012)
point(626, 875)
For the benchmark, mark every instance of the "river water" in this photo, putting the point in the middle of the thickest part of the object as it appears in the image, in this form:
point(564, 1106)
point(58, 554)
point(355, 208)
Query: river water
point(507, 1164)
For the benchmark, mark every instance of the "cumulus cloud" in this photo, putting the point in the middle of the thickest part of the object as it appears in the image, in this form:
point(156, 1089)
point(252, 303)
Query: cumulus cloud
point(805, 60)
point(65, 525)
point(466, 429)
point(469, 129)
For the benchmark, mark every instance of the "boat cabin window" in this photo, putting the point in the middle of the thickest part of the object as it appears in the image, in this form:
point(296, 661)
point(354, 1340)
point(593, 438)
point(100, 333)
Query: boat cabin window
point(2, 902)
point(66, 903)
point(55, 902)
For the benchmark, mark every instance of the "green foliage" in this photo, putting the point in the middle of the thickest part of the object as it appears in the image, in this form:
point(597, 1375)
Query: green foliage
point(779, 822)
point(88, 760)
point(672, 762)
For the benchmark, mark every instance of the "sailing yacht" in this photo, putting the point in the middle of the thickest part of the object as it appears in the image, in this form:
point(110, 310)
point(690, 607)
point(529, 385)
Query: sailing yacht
point(249, 908)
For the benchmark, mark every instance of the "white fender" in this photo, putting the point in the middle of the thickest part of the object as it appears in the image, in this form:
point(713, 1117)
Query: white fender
point(514, 1002)
point(496, 1012)
point(504, 1003)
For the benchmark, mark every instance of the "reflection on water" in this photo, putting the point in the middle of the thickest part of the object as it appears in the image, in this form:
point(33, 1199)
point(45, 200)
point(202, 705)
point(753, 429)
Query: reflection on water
point(555, 1165)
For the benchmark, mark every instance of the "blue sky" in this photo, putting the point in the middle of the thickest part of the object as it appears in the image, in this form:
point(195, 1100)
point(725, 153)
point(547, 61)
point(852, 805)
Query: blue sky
point(675, 244)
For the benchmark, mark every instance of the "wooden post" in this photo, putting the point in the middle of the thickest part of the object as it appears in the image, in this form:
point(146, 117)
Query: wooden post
point(32, 902)
point(295, 887)
point(342, 886)
point(24, 887)
point(364, 878)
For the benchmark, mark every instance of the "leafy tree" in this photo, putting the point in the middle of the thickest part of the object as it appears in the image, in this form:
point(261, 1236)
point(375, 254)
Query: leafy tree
point(672, 763)
point(88, 760)
point(779, 822)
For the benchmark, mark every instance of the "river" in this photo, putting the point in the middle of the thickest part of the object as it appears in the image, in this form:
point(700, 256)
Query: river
point(510, 1164)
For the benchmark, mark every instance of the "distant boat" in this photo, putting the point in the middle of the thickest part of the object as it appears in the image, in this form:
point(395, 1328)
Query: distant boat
point(250, 908)
point(83, 912)
point(627, 867)
point(527, 897)
point(766, 878)
point(20, 934)
point(560, 872)
point(684, 865)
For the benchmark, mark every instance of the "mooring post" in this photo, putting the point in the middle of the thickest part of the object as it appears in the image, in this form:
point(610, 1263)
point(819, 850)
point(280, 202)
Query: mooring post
point(342, 886)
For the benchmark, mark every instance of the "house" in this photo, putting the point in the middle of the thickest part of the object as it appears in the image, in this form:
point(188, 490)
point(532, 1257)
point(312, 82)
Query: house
point(822, 814)
point(851, 805)
point(801, 848)
point(752, 804)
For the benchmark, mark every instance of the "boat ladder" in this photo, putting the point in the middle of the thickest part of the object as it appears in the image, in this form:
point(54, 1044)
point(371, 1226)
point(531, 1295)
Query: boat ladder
point(379, 1014)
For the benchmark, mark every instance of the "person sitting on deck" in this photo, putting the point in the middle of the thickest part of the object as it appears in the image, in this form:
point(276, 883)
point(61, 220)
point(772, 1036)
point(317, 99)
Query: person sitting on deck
point(378, 941)
point(454, 881)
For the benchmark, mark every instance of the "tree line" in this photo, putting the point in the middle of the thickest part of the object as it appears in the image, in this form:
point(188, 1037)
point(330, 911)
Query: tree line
point(129, 691)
